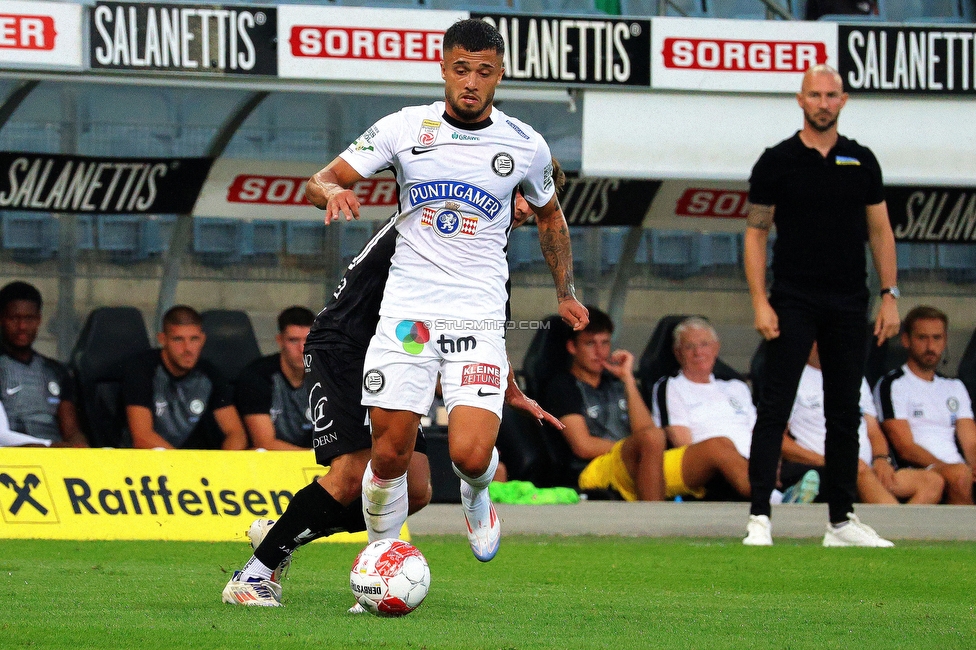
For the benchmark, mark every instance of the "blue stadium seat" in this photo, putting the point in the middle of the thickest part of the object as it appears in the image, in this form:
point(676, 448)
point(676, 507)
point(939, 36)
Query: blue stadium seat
point(720, 249)
point(304, 238)
point(586, 7)
point(219, 242)
point(939, 11)
point(523, 248)
point(123, 236)
point(85, 233)
point(485, 6)
point(267, 238)
point(158, 230)
point(675, 253)
point(913, 256)
point(31, 237)
point(959, 260)
point(612, 246)
point(353, 236)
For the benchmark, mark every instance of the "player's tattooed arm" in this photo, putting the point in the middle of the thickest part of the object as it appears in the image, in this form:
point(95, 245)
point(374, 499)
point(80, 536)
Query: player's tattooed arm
point(760, 216)
point(558, 252)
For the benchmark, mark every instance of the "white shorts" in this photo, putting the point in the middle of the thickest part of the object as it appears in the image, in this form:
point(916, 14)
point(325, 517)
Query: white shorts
point(404, 358)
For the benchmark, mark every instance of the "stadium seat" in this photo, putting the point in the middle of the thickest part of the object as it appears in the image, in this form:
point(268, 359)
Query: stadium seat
point(304, 238)
point(546, 355)
point(967, 367)
point(719, 249)
point(658, 360)
point(675, 253)
point(586, 7)
point(109, 336)
point(935, 11)
point(612, 241)
point(915, 256)
point(958, 260)
point(123, 236)
point(647, 8)
point(30, 237)
point(231, 343)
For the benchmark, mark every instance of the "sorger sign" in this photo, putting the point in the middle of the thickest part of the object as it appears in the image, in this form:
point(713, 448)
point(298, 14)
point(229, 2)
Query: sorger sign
point(737, 55)
point(251, 189)
point(361, 44)
point(40, 33)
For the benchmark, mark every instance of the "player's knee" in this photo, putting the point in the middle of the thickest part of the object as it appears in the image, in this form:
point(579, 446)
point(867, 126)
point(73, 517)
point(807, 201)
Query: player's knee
point(931, 485)
point(344, 486)
point(959, 479)
point(650, 442)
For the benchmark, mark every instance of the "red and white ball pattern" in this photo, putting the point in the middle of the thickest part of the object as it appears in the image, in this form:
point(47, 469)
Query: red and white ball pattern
point(390, 577)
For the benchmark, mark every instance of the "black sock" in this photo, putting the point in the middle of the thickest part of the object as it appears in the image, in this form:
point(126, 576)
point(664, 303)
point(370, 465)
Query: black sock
point(352, 517)
point(311, 514)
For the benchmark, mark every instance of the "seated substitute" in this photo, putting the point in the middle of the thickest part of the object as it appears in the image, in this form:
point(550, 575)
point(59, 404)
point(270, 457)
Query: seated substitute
point(270, 394)
point(37, 392)
point(928, 418)
point(175, 400)
point(708, 421)
point(606, 420)
point(878, 481)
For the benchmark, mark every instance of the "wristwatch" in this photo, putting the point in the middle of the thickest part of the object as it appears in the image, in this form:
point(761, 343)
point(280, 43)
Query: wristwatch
point(895, 293)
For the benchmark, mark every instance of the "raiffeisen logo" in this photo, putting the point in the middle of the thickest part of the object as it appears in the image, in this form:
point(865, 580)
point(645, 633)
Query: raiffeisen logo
point(25, 497)
point(149, 495)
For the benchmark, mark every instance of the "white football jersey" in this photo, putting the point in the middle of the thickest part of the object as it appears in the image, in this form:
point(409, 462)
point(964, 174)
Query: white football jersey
point(456, 187)
point(808, 426)
point(720, 408)
point(931, 408)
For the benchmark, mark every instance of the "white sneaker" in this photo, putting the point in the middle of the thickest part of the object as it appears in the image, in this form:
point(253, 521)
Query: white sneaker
point(256, 533)
point(253, 592)
point(854, 533)
point(759, 531)
point(484, 529)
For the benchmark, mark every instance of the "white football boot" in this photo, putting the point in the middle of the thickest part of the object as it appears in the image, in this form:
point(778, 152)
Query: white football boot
point(254, 592)
point(256, 533)
point(484, 529)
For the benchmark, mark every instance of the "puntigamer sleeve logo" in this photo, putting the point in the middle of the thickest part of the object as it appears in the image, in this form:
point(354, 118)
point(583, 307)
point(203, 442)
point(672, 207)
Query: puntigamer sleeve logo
point(143, 494)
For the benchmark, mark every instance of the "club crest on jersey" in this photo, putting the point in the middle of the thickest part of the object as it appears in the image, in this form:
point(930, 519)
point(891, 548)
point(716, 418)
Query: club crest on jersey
point(428, 132)
point(459, 192)
point(449, 222)
point(502, 164)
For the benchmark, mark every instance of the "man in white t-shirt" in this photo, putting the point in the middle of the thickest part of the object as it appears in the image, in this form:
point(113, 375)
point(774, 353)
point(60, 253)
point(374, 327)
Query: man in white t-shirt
point(877, 479)
point(929, 418)
point(458, 164)
point(708, 421)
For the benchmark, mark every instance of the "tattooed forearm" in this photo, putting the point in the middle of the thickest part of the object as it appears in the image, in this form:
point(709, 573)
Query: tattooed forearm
point(760, 216)
point(557, 250)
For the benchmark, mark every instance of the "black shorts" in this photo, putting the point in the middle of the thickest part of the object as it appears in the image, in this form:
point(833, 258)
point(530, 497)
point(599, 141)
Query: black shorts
point(340, 423)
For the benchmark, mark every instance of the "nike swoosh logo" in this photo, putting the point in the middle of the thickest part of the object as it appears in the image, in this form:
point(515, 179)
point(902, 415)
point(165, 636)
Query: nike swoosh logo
point(375, 514)
point(481, 393)
point(417, 150)
point(14, 390)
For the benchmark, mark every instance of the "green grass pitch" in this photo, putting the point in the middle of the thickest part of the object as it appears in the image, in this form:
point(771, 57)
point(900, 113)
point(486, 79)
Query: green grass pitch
point(540, 592)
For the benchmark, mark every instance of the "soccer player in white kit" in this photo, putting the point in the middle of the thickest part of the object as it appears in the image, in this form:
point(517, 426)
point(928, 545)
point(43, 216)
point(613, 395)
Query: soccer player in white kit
point(458, 164)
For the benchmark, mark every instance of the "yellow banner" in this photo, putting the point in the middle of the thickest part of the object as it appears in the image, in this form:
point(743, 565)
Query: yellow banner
point(148, 494)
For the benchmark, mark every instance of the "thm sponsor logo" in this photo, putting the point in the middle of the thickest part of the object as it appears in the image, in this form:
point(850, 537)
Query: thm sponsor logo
point(290, 190)
point(742, 56)
point(22, 32)
point(333, 42)
point(719, 204)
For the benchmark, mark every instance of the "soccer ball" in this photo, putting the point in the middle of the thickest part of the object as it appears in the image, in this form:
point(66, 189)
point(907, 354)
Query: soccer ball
point(390, 578)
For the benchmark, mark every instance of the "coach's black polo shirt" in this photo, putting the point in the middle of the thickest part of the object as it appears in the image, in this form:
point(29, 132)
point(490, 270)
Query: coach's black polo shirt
point(821, 224)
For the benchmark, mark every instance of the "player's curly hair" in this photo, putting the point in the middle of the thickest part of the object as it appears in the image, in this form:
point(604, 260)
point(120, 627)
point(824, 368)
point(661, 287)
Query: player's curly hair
point(473, 35)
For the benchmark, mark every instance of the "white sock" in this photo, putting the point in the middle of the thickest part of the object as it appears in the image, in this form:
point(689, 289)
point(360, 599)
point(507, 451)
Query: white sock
point(385, 505)
point(472, 488)
point(776, 497)
point(255, 569)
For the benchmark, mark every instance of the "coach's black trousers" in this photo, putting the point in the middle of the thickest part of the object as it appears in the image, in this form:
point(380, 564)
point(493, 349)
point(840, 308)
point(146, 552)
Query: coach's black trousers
point(838, 324)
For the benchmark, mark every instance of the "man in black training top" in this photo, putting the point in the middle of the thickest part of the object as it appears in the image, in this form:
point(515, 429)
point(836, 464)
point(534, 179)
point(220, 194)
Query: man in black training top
point(37, 392)
point(825, 195)
point(270, 393)
point(175, 400)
